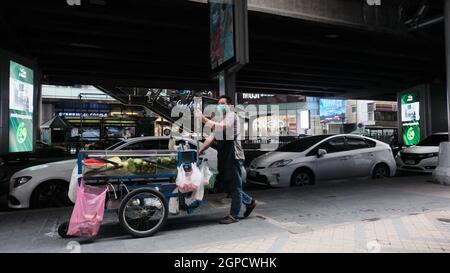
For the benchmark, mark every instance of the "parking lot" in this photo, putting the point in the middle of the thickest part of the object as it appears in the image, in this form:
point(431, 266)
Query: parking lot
point(401, 214)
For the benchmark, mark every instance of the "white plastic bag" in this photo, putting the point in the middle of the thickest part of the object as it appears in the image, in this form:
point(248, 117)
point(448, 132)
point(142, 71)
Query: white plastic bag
point(189, 181)
point(72, 194)
point(174, 204)
point(199, 192)
point(181, 177)
point(184, 182)
point(206, 173)
point(196, 176)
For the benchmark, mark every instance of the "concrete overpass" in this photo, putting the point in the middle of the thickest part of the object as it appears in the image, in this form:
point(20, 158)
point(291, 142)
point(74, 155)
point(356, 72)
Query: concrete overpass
point(343, 48)
point(362, 14)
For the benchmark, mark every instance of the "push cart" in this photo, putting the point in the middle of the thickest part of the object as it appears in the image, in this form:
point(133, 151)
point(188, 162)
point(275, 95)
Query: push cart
point(140, 185)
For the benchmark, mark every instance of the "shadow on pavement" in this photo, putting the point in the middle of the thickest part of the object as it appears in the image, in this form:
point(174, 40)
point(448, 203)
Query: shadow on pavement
point(113, 230)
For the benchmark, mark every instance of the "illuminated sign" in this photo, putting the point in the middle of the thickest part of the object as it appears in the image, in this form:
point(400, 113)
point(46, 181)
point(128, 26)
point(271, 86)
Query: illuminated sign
point(332, 111)
point(75, 114)
point(21, 101)
point(255, 96)
point(410, 107)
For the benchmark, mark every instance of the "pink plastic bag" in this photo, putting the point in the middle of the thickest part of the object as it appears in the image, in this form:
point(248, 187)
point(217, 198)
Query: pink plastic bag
point(87, 215)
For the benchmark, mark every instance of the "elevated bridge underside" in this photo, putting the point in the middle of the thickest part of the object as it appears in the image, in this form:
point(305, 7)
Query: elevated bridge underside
point(338, 48)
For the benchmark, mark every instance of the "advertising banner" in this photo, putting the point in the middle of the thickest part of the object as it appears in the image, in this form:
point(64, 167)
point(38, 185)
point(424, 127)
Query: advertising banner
point(222, 44)
point(21, 101)
point(410, 107)
point(332, 111)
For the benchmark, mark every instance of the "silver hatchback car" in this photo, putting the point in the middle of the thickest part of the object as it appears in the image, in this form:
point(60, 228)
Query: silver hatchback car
point(324, 157)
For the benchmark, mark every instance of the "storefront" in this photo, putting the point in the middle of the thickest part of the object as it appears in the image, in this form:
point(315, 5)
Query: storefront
point(94, 120)
point(287, 115)
point(101, 132)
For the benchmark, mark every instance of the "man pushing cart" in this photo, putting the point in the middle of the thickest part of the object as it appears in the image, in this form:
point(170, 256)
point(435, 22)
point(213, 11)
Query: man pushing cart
point(137, 185)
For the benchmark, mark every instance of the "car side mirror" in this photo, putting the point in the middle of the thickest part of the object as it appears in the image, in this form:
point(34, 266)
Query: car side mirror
point(321, 152)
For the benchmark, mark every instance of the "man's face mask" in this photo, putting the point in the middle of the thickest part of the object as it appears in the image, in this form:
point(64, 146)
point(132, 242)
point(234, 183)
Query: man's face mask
point(221, 108)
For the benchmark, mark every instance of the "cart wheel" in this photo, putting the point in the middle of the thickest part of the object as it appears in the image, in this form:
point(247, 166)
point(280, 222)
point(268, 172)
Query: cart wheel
point(62, 230)
point(143, 212)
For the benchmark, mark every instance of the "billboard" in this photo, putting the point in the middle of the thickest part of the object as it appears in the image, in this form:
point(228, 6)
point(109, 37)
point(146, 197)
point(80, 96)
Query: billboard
point(410, 113)
point(21, 101)
point(332, 111)
point(120, 132)
point(222, 33)
point(85, 133)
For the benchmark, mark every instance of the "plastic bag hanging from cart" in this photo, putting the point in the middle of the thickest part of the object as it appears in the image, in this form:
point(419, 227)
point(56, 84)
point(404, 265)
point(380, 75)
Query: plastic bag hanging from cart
point(181, 179)
point(88, 212)
point(199, 192)
point(206, 173)
point(73, 185)
point(188, 181)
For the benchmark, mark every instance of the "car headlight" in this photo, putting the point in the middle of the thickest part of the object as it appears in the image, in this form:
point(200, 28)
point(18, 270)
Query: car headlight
point(19, 181)
point(431, 155)
point(280, 163)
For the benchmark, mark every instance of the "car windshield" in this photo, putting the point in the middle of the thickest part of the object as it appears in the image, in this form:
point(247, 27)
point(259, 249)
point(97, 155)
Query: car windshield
point(302, 144)
point(433, 140)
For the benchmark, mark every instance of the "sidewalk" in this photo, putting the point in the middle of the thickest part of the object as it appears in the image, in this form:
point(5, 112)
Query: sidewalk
point(426, 232)
point(402, 214)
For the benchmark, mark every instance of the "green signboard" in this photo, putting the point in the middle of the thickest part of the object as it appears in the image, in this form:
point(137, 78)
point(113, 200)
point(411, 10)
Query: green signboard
point(21, 101)
point(410, 107)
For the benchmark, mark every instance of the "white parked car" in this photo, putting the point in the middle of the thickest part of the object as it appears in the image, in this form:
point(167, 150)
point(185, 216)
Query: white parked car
point(324, 157)
point(423, 157)
point(47, 185)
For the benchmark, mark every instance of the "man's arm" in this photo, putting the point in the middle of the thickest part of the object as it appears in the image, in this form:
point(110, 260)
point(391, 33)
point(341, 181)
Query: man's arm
point(206, 144)
point(222, 125)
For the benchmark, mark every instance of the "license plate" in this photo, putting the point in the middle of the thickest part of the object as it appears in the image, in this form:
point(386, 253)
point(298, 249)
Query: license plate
point(410, 162)
point(252, 174)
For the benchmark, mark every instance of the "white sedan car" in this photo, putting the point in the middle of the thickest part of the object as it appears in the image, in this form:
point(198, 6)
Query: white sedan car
point(47, 185)
point(422, 158)
point(324, 157)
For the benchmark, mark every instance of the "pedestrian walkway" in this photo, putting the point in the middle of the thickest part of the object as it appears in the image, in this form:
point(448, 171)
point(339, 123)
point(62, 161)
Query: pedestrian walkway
point(402, 214)
point(426, 232)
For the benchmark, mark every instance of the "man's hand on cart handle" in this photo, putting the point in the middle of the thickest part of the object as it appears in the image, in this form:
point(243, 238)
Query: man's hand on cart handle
point(206, 144)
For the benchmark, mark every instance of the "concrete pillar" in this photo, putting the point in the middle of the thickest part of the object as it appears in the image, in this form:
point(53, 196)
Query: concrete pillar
point(442, 173)
point(227, 84)
point(447, 54)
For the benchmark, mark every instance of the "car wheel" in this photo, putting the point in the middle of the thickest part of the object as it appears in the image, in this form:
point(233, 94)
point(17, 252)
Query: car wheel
point(302, 177)
point(381, 171)
point(62, 230)
point(51, 194)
